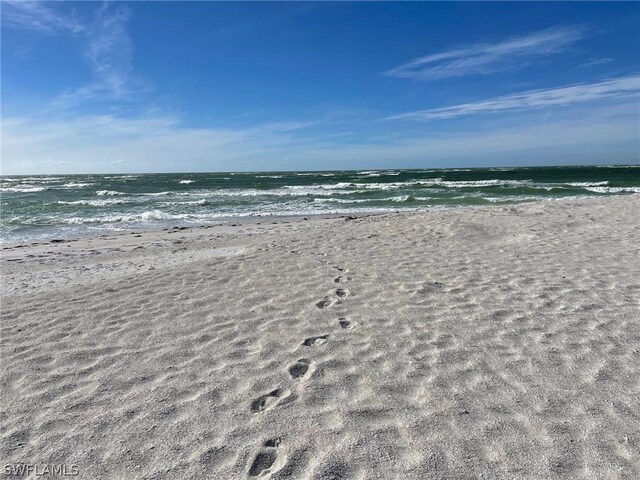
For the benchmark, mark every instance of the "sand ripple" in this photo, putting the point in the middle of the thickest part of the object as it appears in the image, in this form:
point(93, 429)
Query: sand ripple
point(501, 342)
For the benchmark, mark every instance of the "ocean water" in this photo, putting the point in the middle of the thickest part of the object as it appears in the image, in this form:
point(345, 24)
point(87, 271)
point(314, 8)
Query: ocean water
point(62, 206)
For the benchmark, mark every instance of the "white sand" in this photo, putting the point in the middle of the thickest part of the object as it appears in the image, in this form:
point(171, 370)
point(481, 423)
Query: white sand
point(496, 342)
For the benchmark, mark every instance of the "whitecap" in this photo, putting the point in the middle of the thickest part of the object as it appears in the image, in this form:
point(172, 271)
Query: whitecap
point(77, 185)
point(109, 192)
point(92, 203)
point(23, 189)
point(587, 184)
point(614, 189)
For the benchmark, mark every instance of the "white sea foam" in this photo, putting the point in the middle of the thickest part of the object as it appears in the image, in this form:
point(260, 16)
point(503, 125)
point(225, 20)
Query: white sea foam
point(77, 185)
point(23, 189)
point(316, 174)
point(109, 193)
point(295, 191)
point(617, 166)
point(203, 201)
point(587, 184)
point(342, 200)
point(33, 179)
point(398, 198)
point(148, 216)
point(332, 186)
point(156, 215)
point(403, 198)
point(614, 189)
point(511, 198)
point(186, 181)
point(368, 186)
point(92, 203)
point(357, 187)
point(483, 183)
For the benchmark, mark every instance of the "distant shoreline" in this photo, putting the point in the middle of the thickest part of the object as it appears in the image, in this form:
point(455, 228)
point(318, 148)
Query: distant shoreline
point(248, 172)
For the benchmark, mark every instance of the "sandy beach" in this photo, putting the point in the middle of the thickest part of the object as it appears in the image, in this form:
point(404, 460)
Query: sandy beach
point(498, 342)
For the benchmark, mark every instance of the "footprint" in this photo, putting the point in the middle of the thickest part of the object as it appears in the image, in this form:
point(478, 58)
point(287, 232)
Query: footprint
point(341, 278)
point(344, 323)
point(325, 303)
point(342, 292)
point(273, 442)
point(265, 460)
point(300, 368)
point(270, 400)
point(315, 341)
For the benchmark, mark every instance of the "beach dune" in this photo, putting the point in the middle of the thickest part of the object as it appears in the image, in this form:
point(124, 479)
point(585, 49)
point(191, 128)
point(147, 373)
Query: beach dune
point(489, 342)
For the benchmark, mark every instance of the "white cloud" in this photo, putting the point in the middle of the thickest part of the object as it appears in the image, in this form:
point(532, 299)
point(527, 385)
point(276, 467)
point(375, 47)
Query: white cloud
point(38, 17)
point(488, 58)
point(97, 143)
point(592, 62)
point(109, 50)
point(104, 39)
point(562, 96)
point(101, 144)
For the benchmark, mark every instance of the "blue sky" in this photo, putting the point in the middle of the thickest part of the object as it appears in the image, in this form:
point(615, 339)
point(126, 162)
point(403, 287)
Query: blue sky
point(94, 87)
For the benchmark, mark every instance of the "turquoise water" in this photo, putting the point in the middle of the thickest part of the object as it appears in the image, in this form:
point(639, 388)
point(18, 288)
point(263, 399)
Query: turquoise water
point(45, 207)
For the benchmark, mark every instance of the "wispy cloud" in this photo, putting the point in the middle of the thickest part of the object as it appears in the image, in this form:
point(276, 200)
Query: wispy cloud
point(104, 38)
point(39, 17)
point(592, 62)
point(608, 89)
point(488, 58)
point(108, 48)
point(98, 142)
